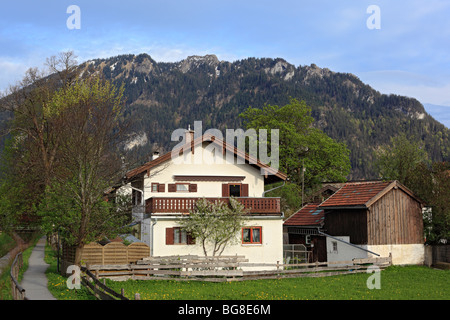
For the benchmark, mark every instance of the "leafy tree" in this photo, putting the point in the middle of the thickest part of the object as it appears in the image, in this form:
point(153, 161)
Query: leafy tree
point(406, 161)
point(15, 196)
point(432, 185)
point(215, 225)
point(89, 112)
point(399, 160)
point(301, 145)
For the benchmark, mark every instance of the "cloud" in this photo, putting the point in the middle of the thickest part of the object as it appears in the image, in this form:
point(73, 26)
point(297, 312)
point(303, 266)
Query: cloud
point(423, 87)
point(12, 72)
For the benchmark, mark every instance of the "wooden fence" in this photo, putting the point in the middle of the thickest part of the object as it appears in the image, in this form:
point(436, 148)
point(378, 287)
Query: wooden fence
point(228, 268)
point(98, 289)
point(18, 292)
point(111, 253)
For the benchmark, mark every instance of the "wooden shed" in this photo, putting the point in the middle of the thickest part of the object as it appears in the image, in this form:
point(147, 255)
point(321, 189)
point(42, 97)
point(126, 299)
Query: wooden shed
point(384, 217)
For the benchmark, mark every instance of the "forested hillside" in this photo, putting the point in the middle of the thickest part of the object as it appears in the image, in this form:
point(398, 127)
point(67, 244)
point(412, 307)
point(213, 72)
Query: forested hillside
point(162, 97)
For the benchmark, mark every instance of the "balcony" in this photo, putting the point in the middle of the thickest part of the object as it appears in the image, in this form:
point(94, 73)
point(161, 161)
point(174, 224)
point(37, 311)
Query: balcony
point(184, 205)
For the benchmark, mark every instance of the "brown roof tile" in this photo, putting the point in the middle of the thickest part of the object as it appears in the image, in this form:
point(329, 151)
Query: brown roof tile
point(309, 215)
point(355, 194)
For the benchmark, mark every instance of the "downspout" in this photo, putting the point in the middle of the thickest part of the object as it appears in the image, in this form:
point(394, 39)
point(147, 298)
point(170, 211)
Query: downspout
point(151, 235)
point(350, 244)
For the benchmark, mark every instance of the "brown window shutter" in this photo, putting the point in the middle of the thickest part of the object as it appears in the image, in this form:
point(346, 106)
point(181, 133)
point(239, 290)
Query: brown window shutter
point(225, 190)
point(169, 235)
point(161, 187)
point(172, 187)
point(244, 190)
point(193, 187)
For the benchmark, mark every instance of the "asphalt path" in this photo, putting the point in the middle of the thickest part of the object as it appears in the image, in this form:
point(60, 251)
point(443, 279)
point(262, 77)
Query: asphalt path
point(34, 280)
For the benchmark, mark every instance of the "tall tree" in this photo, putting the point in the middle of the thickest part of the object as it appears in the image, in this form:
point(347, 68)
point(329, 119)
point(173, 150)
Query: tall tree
point(89, 113)
point(307, 155)
point(30, 154)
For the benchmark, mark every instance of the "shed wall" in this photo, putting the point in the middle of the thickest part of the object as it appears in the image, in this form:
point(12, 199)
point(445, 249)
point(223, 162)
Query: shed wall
point(395, 218)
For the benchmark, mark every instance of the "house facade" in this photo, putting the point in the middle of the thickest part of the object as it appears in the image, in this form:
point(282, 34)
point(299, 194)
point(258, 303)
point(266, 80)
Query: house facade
point(165, 189)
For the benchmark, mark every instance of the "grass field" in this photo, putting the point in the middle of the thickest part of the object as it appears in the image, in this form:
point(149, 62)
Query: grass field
point(397, 283)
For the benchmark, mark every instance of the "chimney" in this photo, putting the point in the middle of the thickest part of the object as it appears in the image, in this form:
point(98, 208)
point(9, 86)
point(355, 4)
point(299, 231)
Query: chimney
point(189, 134)
point(155, 155)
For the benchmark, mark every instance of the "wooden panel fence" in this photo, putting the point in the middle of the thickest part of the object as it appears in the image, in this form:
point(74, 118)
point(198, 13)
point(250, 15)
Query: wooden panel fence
point(111, 253)
point(228, 268)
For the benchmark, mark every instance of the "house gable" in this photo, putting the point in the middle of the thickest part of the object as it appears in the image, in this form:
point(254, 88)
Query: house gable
point(270, 174)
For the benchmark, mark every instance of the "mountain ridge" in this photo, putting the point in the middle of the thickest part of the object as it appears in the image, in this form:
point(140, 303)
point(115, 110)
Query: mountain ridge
point(164, 96)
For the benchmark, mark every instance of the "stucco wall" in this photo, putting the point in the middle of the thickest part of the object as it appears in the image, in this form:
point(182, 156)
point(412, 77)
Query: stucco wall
point(402, 254)
point(269, 251)
point(165, 172)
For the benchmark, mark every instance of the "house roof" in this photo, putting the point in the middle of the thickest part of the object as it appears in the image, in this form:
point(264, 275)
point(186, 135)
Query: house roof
point(362, 194)
point(308, 215)
point(272, 175)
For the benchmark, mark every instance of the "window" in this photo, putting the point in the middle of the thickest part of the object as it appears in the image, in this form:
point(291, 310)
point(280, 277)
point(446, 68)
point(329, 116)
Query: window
point(183, 187)
point(335, 249)
point(177, 235)
point(158, 187)
point(235, 190)
point(251, 235)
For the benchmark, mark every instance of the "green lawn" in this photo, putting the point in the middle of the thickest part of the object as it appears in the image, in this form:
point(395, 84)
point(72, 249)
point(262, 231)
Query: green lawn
point(397, 283)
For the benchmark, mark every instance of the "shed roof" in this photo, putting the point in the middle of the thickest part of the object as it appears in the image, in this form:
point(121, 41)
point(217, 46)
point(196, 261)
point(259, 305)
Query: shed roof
point(308, 215)
point(362, 195)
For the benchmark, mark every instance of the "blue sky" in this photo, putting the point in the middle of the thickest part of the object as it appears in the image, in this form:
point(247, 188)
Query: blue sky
point(409, 55)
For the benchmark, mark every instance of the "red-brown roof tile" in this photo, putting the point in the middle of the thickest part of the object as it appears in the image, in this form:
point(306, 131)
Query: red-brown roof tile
point(309, 215)
point(355, 194)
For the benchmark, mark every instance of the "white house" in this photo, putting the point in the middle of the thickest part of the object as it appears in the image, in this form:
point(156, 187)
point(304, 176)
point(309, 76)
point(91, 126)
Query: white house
point(167, 188)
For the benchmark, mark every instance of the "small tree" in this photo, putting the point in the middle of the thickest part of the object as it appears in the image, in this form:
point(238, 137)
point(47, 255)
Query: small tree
point(215, 225)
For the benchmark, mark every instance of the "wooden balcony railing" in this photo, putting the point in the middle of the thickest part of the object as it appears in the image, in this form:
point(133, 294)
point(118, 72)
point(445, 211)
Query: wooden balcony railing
point(184, 205)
